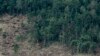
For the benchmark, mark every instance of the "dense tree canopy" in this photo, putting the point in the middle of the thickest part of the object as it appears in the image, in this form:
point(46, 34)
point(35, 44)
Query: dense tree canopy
point(75, 23)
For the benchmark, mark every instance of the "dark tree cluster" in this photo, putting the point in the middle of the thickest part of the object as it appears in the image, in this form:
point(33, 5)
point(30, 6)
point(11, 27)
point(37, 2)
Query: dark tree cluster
point(75, 23)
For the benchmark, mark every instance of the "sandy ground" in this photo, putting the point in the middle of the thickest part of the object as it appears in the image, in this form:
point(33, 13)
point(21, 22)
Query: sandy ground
point(9, 25)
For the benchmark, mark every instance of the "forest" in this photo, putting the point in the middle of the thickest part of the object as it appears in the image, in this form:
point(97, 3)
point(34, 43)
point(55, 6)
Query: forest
point(75, 23)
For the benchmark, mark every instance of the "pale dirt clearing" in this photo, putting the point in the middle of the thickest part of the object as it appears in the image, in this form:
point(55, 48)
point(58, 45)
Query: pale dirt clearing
point(9, 26)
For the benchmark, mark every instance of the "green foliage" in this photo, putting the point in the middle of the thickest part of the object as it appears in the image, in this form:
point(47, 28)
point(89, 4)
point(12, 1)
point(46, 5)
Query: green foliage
point(84, 44)
point(75, 23)
point(15, 47)
point(4, 34)
point(20, 38)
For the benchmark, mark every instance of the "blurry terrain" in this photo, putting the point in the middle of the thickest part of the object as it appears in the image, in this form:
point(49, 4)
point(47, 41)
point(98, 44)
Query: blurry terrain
point(10, 27)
